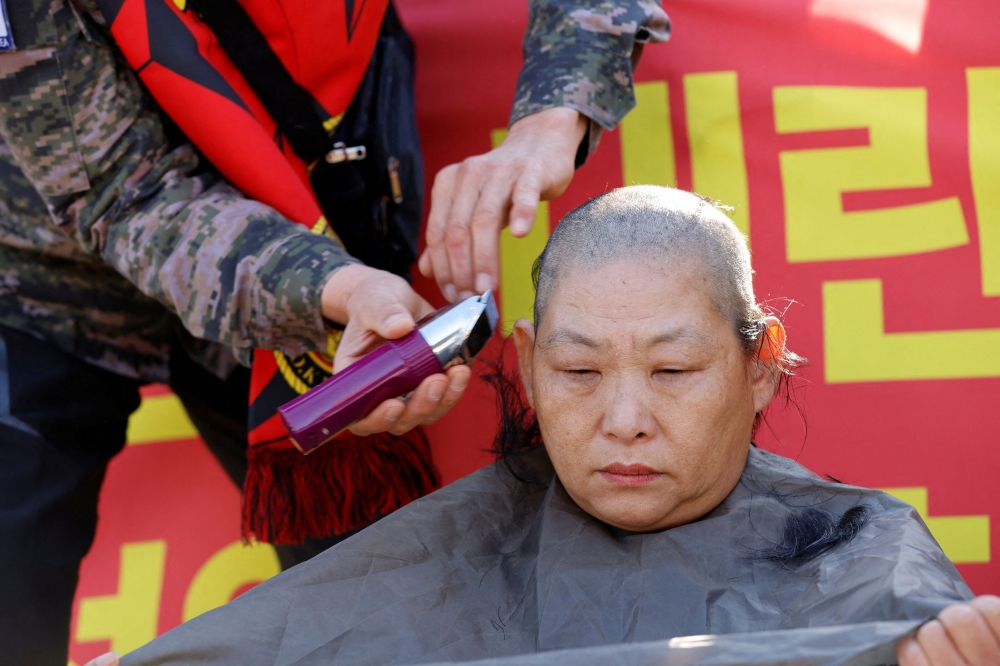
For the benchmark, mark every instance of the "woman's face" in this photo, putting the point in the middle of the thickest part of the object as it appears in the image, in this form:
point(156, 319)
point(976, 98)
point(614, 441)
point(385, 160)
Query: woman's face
point(643, 393)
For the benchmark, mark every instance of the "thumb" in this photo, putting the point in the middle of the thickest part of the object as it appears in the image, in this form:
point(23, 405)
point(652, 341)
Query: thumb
point(380, 315)
point(385, 315)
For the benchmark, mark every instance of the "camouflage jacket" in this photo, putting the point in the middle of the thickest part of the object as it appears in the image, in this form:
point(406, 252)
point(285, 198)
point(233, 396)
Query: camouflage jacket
point(111, 234)
point(581, 53)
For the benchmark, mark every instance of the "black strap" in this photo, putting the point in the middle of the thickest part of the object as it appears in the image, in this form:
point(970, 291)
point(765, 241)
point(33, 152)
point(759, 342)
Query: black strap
point(289, 104)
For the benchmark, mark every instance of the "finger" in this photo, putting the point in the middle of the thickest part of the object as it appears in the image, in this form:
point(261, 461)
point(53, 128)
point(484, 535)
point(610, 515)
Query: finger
point(458, 381)
point(970, 633)
point(442, 193)
point(989, 606)
point(399, 416)
point(424, 264)
point(433, 397)
point(381, 419)
point(937, 645)
point(355, 343)
point(424, 309)
point(387, 311)
point(422, 403)
point(487, 221)
point(436, 263)
point(524, 203)
point(458, 239)
point(359, 340)
point(909, 653)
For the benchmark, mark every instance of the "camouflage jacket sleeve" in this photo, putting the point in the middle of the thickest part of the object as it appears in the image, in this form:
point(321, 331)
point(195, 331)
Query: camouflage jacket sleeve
point(234, 270)
point(84, 133)
point(580, 54)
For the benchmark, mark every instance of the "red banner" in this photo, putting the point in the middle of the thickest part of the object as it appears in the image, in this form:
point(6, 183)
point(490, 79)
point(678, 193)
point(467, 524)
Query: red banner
point(859, 143)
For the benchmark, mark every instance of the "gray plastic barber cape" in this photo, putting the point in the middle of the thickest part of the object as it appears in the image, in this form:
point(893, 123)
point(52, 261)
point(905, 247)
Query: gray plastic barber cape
point(512, 572)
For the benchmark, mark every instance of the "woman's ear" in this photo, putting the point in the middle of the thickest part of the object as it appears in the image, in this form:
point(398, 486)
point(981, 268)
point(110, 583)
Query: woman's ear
point(766, 371)
point(524, 342)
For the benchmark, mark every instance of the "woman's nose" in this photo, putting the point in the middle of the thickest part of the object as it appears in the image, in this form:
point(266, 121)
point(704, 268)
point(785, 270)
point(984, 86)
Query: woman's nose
point(627, 418)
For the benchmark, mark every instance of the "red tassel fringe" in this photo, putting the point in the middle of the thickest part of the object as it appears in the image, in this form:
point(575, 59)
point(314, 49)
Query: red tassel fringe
point(341, 486)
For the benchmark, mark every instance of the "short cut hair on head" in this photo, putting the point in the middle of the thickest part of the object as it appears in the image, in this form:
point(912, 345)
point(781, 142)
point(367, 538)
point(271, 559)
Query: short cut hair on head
point(662, 223)
point(652, 222)
point(629, 223)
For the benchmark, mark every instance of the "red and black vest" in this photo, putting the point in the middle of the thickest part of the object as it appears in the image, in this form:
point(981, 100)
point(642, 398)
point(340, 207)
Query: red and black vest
point(326, 47)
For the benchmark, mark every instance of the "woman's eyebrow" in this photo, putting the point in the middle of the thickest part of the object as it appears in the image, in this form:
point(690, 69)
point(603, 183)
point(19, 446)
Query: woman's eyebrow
point(562, 336)
point(673, 335)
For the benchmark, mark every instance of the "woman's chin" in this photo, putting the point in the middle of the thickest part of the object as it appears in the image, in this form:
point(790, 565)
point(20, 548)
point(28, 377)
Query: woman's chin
point(633, 502)
point(638, 524)
point(627, 513)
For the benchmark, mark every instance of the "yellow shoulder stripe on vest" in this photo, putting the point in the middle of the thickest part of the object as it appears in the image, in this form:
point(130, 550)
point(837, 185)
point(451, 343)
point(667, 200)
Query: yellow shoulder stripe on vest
point(330, 125)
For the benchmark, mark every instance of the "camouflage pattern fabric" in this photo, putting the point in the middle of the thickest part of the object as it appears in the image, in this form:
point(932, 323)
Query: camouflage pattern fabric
point(94, 199)
point(51, 287)
point(110, 233)
point(233, 269)
point(581, 53)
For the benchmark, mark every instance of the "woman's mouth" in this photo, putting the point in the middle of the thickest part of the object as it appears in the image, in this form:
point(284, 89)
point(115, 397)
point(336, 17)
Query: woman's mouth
point(635, 474)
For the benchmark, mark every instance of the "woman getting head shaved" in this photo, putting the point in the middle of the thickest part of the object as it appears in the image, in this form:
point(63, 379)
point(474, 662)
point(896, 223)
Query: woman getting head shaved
point(629, 507)
point(644, 365)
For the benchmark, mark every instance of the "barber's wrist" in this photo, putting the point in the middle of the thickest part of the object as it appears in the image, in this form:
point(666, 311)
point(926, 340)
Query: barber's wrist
point(562, 122)
point(336, 293)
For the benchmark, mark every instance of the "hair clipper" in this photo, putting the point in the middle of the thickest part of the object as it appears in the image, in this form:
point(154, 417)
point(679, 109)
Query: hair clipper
point(454, 334)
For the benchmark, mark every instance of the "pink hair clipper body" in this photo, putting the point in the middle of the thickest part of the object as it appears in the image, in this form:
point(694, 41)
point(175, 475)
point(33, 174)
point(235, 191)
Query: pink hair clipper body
point(454, 334)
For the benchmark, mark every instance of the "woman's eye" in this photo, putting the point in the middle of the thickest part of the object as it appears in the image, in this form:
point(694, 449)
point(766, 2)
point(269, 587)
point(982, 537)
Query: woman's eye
point(581, 372)
point(669, 371)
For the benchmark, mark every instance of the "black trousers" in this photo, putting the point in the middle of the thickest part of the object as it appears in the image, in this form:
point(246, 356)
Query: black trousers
point(61, 422)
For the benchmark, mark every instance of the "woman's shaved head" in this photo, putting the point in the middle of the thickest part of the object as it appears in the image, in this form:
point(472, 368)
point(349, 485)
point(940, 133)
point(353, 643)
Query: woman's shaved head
point(646, 222)
point(642, 365)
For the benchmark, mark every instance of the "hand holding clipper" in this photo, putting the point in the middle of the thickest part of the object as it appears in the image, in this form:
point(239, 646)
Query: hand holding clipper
point(454, 334)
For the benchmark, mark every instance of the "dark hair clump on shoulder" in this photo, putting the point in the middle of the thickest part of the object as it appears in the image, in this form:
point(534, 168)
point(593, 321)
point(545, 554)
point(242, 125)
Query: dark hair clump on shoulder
point(813, 532)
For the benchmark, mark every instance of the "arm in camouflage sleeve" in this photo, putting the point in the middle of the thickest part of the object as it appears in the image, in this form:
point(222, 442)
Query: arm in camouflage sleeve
point(234, 270)
point(580, 54)
point(81, 129)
